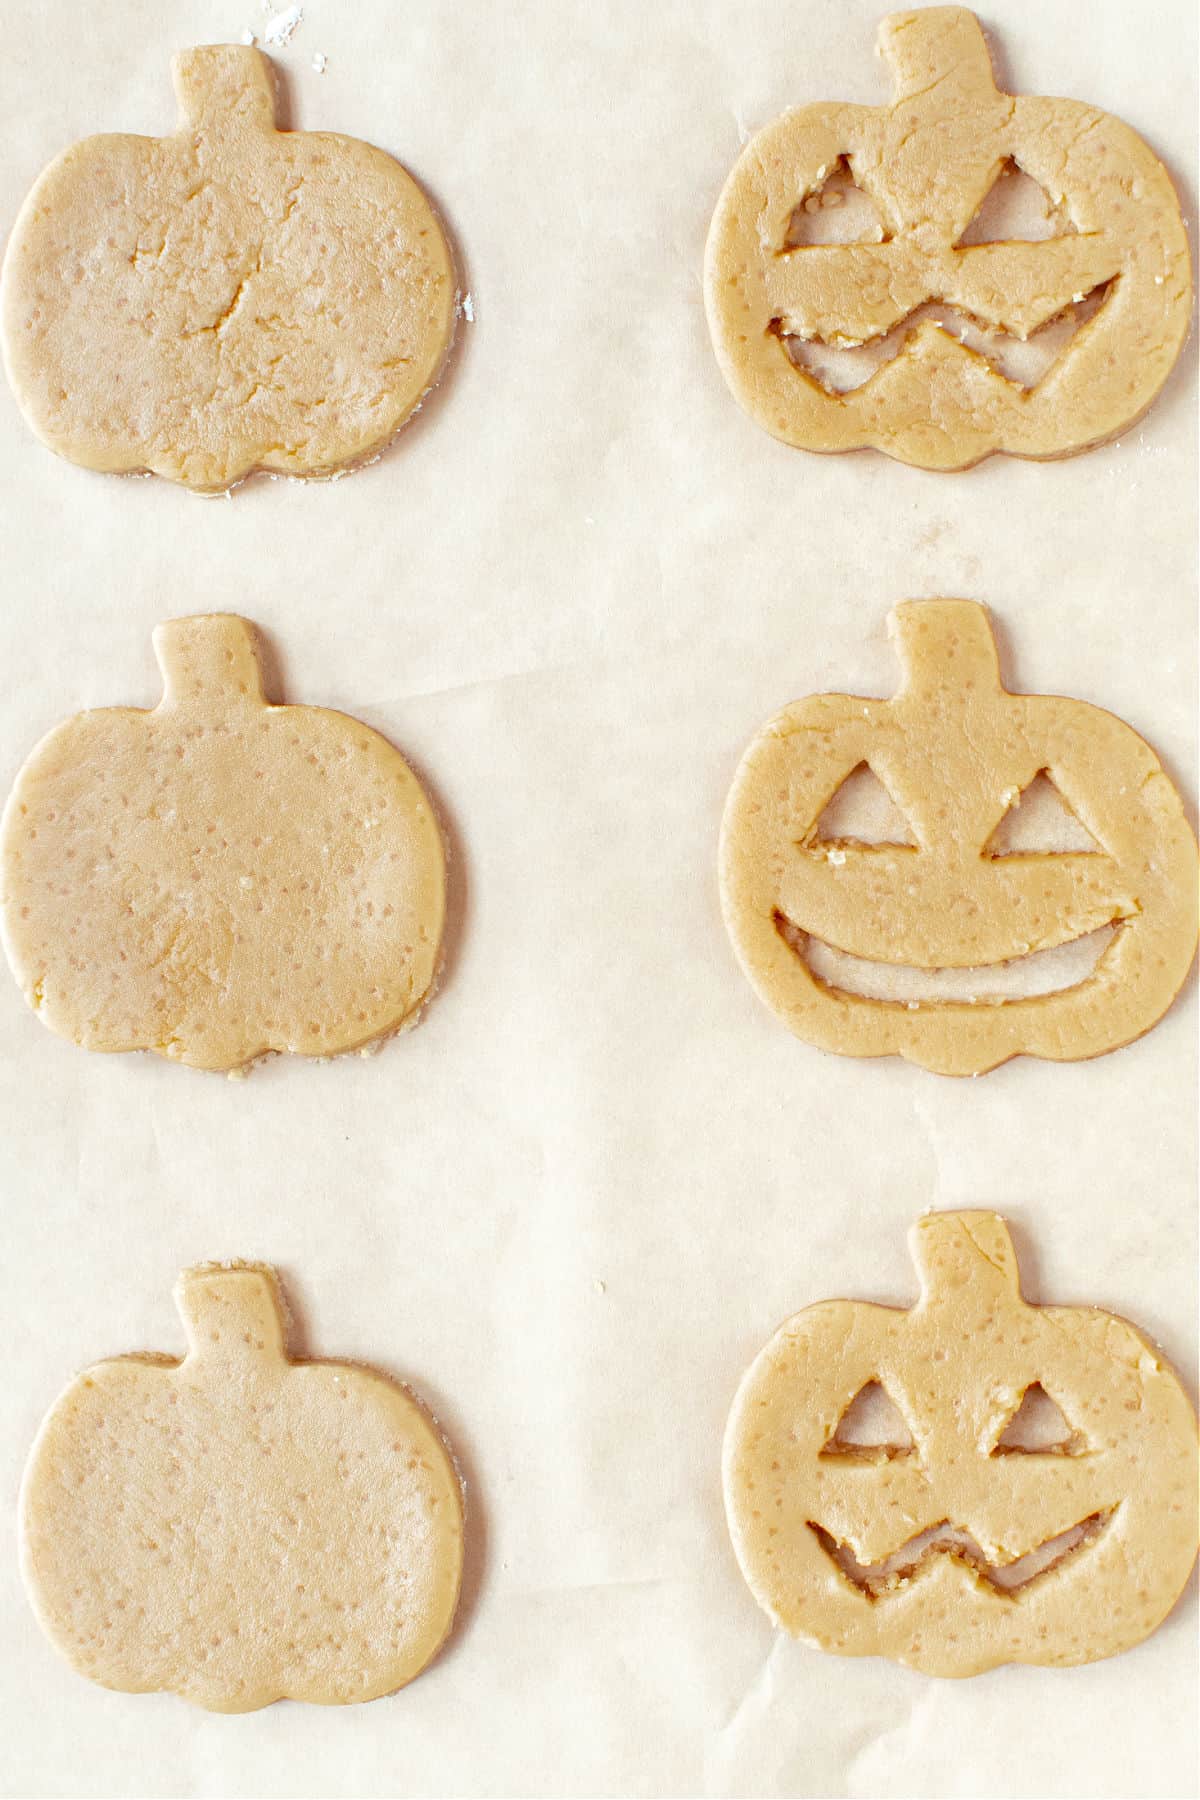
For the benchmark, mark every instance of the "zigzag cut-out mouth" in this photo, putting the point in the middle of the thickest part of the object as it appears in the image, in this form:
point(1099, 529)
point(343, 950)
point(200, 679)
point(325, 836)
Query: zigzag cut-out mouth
point(894, 1572)
point(843, 367)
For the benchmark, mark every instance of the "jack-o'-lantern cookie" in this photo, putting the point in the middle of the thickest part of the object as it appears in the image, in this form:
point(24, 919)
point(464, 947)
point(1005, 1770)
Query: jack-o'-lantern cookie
point(229, 298)
point(238, 1527)
point(898, 329)
point(941, 940)
point(220, 877)
point(1034, 1500)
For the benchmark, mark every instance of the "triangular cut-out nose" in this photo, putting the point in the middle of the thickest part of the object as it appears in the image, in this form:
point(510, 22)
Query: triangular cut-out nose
point(836, 212)
point(863, 812)
point(1017, 209)
point(1039, 1427)
point(872, 1427)
point(1039, 820)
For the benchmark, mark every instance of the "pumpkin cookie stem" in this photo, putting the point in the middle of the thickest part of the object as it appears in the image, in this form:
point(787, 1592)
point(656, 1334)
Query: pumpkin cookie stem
point(214, 81)
point(230, 1313)
point(945, 645)
point(941, 46)
point(207, 661)
point(957, 1250)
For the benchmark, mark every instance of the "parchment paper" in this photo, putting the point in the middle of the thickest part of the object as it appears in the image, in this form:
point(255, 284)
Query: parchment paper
point(573, 1204)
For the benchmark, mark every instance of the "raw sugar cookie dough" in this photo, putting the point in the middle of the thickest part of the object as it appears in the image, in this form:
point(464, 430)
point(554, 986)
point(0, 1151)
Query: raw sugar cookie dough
point(239, 1528)
point(857, 945)
point(226, 299)
point(934, 301)
point(220, 877)
point(957, 1542)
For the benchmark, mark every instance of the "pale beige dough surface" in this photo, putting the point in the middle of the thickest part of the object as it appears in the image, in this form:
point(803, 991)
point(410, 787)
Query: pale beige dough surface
point(956, 751)
point(957, 1366)
point(570, 594)
point(221, 876)
point(929, 161)
point(239, 1527)
point(226, 299)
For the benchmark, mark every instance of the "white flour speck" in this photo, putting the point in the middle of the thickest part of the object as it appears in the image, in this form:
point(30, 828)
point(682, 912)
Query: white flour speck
point(319, 61)
point(281, 26)
point(467, 308)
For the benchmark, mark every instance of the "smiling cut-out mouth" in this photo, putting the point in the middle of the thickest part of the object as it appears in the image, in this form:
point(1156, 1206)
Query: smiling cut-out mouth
point(1009, 1578)
point(1037, 974)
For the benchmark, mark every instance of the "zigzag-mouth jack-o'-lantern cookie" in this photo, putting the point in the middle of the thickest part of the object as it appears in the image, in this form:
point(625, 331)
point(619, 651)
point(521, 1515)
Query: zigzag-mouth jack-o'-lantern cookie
point(229, 298)
point(1026, 1491)
point(944, 936)
point(239, 1528)
point(907, 320)
point(220, 877)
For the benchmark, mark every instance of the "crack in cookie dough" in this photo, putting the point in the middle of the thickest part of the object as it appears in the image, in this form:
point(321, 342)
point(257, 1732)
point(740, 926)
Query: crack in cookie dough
point(928, 164)
point(228, 299)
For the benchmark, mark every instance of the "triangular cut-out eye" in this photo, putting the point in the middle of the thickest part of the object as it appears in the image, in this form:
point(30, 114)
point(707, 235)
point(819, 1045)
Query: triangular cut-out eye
point(1039, 1427)
point(836, 212)
point(862, 812)
point(872, 1428)
point(1039, 820)
point(1017, 209)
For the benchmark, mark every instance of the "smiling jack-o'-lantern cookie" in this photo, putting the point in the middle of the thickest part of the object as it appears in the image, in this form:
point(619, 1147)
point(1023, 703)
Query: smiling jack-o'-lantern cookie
point(963, 1539)
point(939, 394)
point(228, 298)
point(239, 1528)
point(220, 877)
point(816, 918)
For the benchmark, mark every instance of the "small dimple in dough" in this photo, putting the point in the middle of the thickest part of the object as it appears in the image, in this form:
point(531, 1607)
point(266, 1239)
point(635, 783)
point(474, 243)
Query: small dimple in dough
point(239, 1528)
point(951, 1555)
point(955, 750)
point(928, 162)
point(226, 299)
point(220, 877)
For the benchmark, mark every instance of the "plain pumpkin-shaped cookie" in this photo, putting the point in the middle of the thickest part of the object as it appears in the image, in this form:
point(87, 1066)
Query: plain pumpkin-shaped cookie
point(928, 161)
point(956, 1547)
point(220, 877)
point(228, 298)
point(238, 1527)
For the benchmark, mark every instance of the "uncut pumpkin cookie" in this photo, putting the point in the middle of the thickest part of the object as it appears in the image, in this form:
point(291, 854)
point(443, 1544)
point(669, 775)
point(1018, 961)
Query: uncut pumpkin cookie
point(220, 877)
point(228, 298)
point(906, 335)
point(904, 945)
point(239, 1527)
point(960, 1532)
